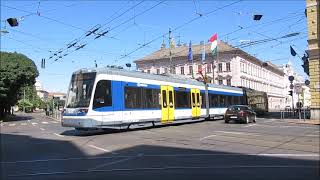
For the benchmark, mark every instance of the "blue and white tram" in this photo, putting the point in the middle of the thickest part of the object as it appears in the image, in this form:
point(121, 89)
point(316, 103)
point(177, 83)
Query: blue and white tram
point(116, 98)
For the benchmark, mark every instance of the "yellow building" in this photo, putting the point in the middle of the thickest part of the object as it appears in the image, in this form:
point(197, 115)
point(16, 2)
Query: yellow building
point(314, 55)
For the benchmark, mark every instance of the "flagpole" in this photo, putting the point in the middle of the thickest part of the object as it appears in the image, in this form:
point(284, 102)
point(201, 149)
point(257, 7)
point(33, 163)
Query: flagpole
point(192, 67)
point(217, 61)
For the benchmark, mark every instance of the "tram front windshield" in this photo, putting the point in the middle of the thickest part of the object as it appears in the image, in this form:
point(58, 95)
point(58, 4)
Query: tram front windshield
point(80, 90)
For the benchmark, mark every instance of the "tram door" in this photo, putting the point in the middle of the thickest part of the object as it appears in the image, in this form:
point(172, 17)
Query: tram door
point(195, 103)
point(167, 104)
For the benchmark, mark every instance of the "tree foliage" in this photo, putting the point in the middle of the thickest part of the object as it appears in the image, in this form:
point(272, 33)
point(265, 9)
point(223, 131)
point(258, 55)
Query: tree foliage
point(16, 71)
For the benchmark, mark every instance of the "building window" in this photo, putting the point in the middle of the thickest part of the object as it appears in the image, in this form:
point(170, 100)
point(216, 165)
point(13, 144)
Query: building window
point(220, 82)
point(190, 70)
point(158, 71)
point(148, 71)
point(220, 67)
point(209, 68)
point(228, 67)
point(228, 82)
point(182, 70)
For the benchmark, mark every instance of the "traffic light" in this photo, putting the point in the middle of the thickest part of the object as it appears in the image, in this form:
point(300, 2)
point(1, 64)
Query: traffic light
point(305, 64)
point(290, 92)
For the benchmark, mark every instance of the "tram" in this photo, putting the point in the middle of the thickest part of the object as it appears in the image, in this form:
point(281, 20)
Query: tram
point(117, 98)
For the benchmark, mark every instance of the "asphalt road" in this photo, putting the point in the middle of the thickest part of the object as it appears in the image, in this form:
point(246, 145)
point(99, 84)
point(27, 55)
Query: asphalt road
point(37, 147)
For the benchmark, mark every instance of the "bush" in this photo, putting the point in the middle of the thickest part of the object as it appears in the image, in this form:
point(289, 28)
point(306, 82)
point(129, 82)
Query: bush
point(25, 103)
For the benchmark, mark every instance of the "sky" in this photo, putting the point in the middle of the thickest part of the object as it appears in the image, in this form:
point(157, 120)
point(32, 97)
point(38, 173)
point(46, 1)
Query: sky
point(46, 27)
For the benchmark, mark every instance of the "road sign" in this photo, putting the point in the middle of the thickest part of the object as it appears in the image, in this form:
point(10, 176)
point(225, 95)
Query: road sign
point(291, 86)
point(298, 88)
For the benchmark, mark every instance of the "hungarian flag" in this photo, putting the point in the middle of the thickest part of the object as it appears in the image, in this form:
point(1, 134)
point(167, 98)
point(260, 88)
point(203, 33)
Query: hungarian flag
point(214, 44)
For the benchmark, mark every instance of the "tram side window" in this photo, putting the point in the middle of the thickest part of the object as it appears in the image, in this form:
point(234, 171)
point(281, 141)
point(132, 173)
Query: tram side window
point(171, 99)
point(164, 98)
point(203, 100)
point(222, 100)
point(103, 94)
point(193, 99)
point(198, 100)
point(229, 100)
point(242, 100)
point(213, 100)
point(236, 100)
point(133, 97)
point(182, 99)
point(152, 98)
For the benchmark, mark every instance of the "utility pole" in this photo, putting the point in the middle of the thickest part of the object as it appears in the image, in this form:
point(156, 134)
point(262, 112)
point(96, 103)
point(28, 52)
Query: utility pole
point(170, 53)
point(24, 99)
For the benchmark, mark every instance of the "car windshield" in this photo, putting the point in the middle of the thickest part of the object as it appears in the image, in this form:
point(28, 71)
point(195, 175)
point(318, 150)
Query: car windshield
point(237, 108)
point(80, 90)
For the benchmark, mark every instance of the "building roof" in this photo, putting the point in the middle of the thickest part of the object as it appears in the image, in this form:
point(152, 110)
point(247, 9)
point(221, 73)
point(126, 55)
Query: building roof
point(182, 51)
point(223, 47)
point(56, 94)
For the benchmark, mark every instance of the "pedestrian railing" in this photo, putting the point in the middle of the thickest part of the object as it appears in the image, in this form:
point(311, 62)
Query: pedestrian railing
point(56, 114)
point(302, 113)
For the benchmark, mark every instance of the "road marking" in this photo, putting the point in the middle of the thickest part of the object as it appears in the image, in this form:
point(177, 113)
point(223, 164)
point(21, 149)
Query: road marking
point(250, 125)
point(159, 155)
point(165, 168)
point(201, 139)
point(44, 122)
point(58, 135)
point(288, 126)
point(33, 124)
point(312, 135)
point(55, 122)
point(111, 163)
point(42, 129)
point(288, 155)
point(12, 124)
point(23, 124)
point(101, 149)
point(228, 132)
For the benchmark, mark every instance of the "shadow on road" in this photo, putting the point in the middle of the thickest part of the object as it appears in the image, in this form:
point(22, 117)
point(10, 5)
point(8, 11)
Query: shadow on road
point(26, 157)
point(17, 117)
point(133, 127)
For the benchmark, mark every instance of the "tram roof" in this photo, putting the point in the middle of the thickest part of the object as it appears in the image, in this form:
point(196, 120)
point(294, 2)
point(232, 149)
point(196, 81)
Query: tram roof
point(159, 77)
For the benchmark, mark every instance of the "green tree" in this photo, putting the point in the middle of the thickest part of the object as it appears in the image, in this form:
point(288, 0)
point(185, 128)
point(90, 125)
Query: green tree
point(29, 94)
point(16, 71)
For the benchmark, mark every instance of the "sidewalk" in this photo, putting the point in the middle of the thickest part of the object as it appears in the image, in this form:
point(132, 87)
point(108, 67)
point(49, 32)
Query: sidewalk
point(307, 121)
point(277, 115)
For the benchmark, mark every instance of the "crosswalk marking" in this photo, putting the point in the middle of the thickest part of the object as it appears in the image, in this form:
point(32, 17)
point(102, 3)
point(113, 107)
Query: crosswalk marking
point(44, 122)
point(23, 124)
point(12, 124)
